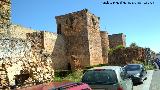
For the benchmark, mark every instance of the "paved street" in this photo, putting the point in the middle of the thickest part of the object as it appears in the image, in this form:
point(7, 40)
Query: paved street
point(152, 82)
point(155, 85)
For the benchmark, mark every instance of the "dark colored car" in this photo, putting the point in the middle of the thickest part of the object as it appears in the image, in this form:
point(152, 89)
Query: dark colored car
point(157, 63)
point(137, 72)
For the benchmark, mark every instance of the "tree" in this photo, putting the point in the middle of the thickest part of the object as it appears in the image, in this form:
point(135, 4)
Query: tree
point(133, 45)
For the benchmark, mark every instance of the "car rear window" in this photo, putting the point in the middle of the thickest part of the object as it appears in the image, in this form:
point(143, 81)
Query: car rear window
point(132, 67)
point(100, 77)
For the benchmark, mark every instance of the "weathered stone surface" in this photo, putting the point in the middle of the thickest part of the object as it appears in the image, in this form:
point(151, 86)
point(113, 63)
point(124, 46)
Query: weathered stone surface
point(54, 45)
point(123, 56)
point(94, 39)
point(81, 32)
point(116, 40)
point(105, 46)
point(17, 31)
point(18, 59)
point(49, 44)
point(5, 10)
point(30, 56)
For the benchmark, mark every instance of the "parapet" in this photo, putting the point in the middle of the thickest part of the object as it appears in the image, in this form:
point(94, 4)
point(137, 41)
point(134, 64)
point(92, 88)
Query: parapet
point(17, 31)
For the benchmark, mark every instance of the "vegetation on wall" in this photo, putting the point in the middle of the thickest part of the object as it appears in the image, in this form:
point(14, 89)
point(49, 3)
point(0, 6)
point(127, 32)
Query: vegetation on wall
point(111, 50)
point(72, 76)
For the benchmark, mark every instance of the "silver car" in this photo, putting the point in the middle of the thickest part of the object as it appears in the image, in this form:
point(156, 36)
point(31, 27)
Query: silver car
point(107, 78)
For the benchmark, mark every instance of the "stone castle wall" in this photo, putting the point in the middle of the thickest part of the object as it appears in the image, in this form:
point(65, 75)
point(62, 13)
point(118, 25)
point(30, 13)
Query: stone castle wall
point(51, 45)
point(30, 53)
point(116, 40)
point(17, 31)
point(49, 41)
point(5, 9)
point(123, 56)
point(73, 27)
point(30, 56)
point(105, 46)
point(54, 45)
point(82, 35)
point(20, 62)
point(94, 39)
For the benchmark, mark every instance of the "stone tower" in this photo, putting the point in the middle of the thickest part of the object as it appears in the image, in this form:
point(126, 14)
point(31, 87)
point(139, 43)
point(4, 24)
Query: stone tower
point(82, 35)
point(116, 40)
point(105, 46)
point(5, 9)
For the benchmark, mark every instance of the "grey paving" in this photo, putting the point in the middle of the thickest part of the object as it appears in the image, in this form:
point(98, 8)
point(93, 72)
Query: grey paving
point(155, 83)
point(146, 84)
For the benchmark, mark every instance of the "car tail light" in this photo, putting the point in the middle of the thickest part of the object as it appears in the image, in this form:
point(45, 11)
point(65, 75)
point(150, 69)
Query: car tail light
point(119, 88)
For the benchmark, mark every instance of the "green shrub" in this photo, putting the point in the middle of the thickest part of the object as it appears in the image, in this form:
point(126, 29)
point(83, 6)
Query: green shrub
point(57, 79)
point(149, 67)
point(112, 50)
point(71, 76)
point(75, 76)
point(119, 47)
point(62, 73)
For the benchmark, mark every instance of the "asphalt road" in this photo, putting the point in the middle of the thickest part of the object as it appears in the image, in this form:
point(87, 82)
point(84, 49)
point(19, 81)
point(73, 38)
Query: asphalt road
point(155, 85)
point(152, 82)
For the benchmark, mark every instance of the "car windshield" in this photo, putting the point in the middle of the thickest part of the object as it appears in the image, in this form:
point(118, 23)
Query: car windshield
point(132, 67)
point(100, 77)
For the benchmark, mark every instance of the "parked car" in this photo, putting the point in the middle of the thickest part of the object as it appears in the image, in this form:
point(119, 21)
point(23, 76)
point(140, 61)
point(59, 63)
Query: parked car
point(157, 63)
point(73, 86)
point(137, 72)
point(107, 78)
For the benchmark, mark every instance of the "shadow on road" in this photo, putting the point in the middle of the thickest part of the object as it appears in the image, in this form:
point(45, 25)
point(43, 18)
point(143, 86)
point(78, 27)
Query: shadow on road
point(139, 83)
point(136, 84)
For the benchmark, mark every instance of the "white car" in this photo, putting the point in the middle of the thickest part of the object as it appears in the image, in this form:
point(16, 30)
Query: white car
point(107, 78)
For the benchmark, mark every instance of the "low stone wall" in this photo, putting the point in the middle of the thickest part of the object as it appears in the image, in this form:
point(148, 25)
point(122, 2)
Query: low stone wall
point(50, 44)
point(123, 56)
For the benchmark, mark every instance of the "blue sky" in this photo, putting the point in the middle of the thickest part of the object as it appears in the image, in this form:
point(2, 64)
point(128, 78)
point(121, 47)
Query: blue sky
point(140, 23)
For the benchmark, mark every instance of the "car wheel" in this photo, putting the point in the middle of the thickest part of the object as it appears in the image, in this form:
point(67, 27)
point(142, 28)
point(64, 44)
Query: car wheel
point(145, 78)
point(141, 81)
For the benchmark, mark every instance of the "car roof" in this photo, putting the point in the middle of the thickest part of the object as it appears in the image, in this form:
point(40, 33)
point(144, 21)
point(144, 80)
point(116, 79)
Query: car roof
point(108, 67)
point(135, 64)
point(117, 69)
point(141, 65)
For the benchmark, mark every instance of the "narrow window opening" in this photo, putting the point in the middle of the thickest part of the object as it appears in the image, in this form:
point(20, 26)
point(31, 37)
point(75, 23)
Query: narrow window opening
point(59, 29)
